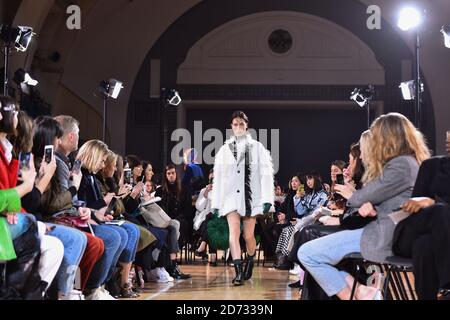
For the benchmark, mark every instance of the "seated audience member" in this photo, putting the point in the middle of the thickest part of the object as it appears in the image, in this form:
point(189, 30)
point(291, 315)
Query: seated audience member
point(396, 149)
point(93, 155)
point(330, 224)
point(284, 219)
point(307, 199)
point(176, 202)
point(28, 276)
point(424, 236)
point(108, 185)
point(202, 216)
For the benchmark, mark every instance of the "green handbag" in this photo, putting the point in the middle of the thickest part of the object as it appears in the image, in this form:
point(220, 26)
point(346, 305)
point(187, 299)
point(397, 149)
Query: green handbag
point(6, 245)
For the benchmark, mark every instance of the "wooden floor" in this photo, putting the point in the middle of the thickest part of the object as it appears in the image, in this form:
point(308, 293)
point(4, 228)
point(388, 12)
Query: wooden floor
point(214, 283)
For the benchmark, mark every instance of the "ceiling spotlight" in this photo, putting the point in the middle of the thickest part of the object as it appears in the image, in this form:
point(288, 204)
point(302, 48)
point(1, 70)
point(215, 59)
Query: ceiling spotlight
point(362, 95)
point(409, 18)
point(446, 33)
point(20, 36)
point(22, 77)
point(409, 89)
point(110, 88)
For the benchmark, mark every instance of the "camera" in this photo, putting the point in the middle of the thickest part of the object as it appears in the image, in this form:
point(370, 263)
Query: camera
point(48, 153)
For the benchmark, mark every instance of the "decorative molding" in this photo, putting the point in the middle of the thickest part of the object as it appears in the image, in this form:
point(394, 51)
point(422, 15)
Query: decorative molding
point(322, 53)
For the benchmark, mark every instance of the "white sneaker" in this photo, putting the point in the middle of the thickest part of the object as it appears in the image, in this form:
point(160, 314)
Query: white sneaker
point(100, 294)
point(106, 295)
point(154, 276)
point(73, 295)
point(163, 275)
point(166, 274)
point(295, 270)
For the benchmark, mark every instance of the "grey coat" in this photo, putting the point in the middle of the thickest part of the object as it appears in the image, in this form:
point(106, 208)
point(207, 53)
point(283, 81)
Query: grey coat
point(387, 193)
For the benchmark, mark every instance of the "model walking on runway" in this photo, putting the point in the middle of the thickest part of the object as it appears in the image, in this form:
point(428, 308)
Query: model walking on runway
point(243, 188)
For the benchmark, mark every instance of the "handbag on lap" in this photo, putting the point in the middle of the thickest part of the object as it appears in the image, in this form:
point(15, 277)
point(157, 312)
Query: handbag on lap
point(155, 215)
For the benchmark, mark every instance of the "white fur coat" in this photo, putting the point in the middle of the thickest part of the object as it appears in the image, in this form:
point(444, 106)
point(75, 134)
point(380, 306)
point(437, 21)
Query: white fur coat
point(229, 191)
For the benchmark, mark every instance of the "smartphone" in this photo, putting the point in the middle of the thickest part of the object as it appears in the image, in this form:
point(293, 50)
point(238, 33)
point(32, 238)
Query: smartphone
point(111, 207)
point(127, 176)
point(48, 153)
point(24, 160)
point(340, 179)
point(76, 167)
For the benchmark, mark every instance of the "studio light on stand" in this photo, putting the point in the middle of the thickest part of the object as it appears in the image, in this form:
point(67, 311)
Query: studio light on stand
point(410, 19)
point(169, 97)
point(446, 34)
point(22, 77)
point(409, 89)
point(18, 38)
point(362, 97)
point(24, 81)
point(108, 89)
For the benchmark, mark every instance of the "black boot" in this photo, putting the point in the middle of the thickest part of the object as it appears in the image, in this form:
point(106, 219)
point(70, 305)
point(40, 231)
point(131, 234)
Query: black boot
point(176, 273)
point(239, 279)
point(248, 269)
point(282, 262)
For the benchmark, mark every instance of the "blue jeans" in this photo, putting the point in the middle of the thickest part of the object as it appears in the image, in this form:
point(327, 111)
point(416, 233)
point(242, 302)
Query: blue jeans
point(24, 221)
point(131, 235)
point(74, 242)
point(160, 234)
point(319, 257)
point(113, 248)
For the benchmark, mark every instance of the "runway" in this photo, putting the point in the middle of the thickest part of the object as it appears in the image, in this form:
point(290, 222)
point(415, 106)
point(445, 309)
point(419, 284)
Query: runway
point(214, 283)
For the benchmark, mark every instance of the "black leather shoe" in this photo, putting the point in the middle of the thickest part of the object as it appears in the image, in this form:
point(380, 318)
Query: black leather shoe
point(282, 262)
point(295, 285)
point(444, 295)
point(213, 263)
point(176, 273)
point(239, 279)
point(201, 254)
point(248, 270)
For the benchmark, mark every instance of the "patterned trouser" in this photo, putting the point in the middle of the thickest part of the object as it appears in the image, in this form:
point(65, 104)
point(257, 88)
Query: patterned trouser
point(283, 241)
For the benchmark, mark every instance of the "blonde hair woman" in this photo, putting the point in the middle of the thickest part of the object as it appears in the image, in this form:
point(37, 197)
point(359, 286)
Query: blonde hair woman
point(93, 155)
point(392, 159)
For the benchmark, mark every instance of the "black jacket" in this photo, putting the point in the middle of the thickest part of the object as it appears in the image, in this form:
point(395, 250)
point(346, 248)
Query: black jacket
point(90, 191)
point(176, 209)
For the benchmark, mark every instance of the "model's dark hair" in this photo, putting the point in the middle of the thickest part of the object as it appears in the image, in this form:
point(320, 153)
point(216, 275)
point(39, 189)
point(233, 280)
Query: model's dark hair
point(240, 114)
